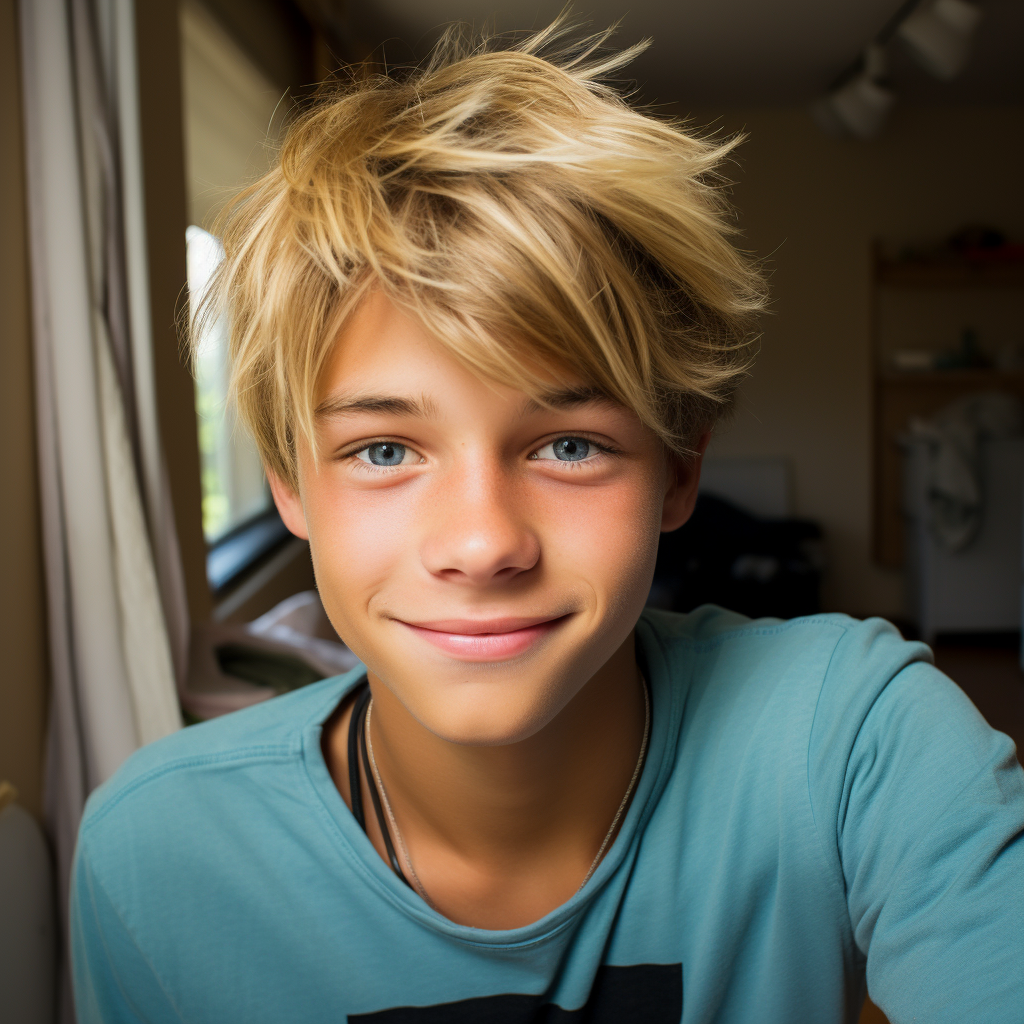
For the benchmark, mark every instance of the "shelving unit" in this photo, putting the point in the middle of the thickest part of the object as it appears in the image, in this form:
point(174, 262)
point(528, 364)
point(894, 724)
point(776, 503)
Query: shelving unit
point(900, 395)
point(896, 274)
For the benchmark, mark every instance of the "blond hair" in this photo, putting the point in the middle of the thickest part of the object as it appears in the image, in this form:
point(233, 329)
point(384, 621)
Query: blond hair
point(512, 201)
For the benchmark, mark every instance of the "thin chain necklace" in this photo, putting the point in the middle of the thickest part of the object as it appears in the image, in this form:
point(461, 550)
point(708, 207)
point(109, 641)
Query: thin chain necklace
point(391, 813)
point(608, 835)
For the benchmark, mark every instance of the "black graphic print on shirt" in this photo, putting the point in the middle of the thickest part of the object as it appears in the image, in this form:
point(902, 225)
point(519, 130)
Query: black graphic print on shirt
point(647, 993)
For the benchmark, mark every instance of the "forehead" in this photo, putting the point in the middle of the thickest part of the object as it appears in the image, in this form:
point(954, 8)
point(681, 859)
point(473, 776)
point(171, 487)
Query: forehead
point(384, 360)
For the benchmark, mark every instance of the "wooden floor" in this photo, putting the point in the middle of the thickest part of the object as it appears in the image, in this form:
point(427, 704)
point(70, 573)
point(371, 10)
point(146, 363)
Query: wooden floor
point(990, 674)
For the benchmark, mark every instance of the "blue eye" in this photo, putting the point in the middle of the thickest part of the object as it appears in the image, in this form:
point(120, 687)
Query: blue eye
point(384, 453)
point(571, 449)
point(567, 449)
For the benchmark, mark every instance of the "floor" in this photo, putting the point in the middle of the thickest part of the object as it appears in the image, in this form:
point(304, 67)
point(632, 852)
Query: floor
point(989, 672)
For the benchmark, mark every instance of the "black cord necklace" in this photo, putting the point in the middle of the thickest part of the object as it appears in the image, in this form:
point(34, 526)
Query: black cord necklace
point(357, 753)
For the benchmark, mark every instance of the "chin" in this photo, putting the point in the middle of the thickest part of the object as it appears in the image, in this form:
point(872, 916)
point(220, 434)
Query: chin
point(488, 715)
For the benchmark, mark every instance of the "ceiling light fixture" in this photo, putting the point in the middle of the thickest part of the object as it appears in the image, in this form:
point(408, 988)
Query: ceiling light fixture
point(859, 106)
point(937, 32)
point(939, 36)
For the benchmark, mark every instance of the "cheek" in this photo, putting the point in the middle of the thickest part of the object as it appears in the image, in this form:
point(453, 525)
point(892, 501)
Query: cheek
point(360, 540)
point(608, 536)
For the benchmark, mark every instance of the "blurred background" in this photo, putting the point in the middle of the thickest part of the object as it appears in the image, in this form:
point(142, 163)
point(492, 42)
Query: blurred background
point(874, 463)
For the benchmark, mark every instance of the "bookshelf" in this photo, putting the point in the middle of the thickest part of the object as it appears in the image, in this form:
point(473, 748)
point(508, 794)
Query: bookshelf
point(947, 292)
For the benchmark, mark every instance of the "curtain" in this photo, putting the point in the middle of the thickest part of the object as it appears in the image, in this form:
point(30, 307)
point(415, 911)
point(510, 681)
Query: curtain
point(118, 622)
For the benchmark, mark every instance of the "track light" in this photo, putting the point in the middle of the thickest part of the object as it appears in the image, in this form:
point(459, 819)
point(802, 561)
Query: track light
point(937, 32)
point(858, 106)
point(939, 35)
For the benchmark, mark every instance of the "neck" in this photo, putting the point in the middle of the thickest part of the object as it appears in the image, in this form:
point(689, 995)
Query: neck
point(493, 803)
point(526, 818)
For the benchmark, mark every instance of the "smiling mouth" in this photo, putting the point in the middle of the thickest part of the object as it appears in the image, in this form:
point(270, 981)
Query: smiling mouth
point(485, 639)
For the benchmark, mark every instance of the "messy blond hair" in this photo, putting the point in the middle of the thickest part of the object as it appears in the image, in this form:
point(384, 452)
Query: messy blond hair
point(520, 209)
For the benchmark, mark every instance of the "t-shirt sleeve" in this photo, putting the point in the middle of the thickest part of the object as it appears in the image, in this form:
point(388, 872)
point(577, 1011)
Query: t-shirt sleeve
point(113, 981)
point(929, 817)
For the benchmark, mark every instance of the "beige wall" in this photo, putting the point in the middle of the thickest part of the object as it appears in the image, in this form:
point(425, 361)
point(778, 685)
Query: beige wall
point(810, 206)
point(233, 114)
point(23, 670)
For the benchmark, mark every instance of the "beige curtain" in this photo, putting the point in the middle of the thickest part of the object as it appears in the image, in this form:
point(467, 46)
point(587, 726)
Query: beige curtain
point(118, 624)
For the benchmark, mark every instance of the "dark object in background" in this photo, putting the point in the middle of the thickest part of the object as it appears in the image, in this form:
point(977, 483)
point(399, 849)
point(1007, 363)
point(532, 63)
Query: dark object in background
point(984, 244)
point(726, 556)
point(972, 244)
point(281, 672)
point(967, 357)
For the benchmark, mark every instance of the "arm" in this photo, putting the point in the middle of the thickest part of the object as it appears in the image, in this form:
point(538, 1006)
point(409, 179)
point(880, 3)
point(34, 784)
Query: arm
point(114, 983)
point(930, 835)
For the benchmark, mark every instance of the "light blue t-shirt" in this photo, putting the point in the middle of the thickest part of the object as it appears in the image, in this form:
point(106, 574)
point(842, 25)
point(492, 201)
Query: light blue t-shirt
point(817, 799)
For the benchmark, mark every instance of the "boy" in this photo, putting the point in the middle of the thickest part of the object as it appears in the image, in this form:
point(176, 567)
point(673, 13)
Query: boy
point(482, 322)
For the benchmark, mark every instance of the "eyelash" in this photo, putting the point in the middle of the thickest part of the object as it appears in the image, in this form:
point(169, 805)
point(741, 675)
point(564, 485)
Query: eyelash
point(603, 449)
point(350, 455)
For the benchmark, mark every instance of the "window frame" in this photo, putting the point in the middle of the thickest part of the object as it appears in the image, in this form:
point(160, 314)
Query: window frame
point(243, 549)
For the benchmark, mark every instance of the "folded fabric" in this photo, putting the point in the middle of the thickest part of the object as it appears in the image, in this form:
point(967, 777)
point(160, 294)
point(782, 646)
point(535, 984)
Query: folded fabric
point(955, 435)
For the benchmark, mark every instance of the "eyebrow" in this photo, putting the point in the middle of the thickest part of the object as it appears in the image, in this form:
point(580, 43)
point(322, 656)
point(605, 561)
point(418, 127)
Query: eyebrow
point(425, 408)
point(394, 405)
point(567, 398)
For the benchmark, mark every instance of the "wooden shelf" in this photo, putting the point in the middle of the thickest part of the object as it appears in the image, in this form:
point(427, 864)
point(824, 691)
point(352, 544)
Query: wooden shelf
point(910, 274)
point(900, 395)
point(953, 378)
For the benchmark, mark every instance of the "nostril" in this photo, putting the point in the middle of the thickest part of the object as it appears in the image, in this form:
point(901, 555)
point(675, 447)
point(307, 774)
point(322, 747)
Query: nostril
point(481, 548)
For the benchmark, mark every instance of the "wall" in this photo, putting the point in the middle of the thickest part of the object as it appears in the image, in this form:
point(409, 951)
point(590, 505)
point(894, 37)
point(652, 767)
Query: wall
point(811, 206)
point(23, 678)
point(278, 35)
point(233, 114)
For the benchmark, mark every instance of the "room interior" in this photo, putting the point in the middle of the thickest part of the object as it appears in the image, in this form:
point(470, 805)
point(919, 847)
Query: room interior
point(892, 246)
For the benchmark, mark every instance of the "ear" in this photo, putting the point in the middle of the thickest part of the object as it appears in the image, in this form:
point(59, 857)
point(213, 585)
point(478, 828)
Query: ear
point(681, 486)
point(289, 505)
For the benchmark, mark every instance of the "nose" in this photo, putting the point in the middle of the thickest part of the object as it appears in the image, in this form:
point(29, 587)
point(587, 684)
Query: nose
point(479, 528)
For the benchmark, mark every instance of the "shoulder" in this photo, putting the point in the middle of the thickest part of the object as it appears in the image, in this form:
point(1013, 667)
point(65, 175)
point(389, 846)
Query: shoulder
point(710, 625)
point(803, 693)
point(852, 718)
point(828, 659)
point(192, 758)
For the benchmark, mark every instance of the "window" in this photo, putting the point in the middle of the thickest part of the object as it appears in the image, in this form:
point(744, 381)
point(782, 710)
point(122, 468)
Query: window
point(233, 114)
point(234, 488)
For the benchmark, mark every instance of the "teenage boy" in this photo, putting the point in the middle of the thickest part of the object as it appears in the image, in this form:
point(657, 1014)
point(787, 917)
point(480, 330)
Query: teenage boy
point(482, 321)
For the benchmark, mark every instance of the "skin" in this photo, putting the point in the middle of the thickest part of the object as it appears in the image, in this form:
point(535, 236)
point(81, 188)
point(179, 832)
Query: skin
point(504, 770)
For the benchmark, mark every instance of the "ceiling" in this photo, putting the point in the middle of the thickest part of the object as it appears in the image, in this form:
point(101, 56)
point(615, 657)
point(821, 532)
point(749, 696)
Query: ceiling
point(728, 52)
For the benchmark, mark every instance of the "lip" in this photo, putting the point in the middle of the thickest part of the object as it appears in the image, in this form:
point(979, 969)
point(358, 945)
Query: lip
point(485, 639)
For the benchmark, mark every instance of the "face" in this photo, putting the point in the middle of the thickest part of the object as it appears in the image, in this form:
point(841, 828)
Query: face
point(483, 556)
